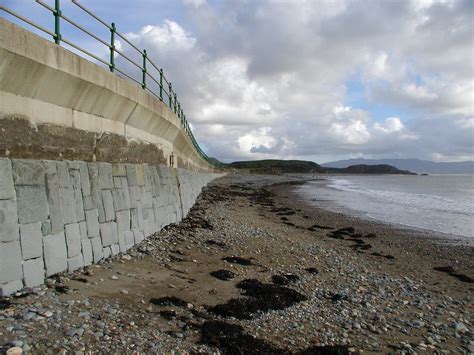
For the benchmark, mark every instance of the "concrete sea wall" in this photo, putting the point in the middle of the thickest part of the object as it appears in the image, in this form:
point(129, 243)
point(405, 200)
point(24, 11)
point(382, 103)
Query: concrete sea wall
point(60, 216)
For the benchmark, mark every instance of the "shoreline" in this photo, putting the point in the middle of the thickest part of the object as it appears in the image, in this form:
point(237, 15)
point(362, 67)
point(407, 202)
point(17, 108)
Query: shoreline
point(245, 273)
point(455, 239)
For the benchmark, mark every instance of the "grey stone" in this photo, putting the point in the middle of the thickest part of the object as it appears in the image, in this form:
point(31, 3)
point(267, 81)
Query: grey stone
point(75, 263)
point(56, 215)
point(28, 172)
point(33, 272)
point(119, 202)
point(126, 193)
point(10, 287)
point(119, 170)
point(108, 205)
point(108, 233)
point(97, 252)
point(83, 229)
point(131, 175)
point(96, 192)
point(73, 239)
point(88, 205)
point(87, 251)
point(129, 239)
point(50, 167)
point(31, 240)
point(10, 262)
point(75, 177)
point(32, 204)
point(107, 252)
point(79, 205)
point(63, 174)
point(85, 183)
point(69, 205)
point(140, 175)
point(55, 253)
point(7, 191)
point(139, 237)
point(117, 182)
point(115, 249)
point(135, 196)
point(105, 176)
point(134, 219)
point(46, 228)
point(123, 225)
point(92, 220)
point(8, 221)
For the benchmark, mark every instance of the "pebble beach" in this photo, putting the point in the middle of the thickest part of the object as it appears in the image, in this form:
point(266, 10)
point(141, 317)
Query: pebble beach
point(255, 269)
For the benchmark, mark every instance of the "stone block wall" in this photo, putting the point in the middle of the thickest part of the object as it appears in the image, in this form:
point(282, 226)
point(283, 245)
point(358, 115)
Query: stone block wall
point(60, 216)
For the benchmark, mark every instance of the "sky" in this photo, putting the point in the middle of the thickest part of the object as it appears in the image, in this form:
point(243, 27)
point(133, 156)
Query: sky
point(311, 79)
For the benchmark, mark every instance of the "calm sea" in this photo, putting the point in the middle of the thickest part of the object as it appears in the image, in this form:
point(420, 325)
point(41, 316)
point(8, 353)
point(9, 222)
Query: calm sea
point(442, 203)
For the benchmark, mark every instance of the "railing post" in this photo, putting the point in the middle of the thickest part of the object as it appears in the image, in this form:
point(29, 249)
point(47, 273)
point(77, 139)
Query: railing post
point(161, 84)
point(112, 47)
point(144, 70)
point(179, 111)
point(170, 96)
point(175, 100)
point(57, 24)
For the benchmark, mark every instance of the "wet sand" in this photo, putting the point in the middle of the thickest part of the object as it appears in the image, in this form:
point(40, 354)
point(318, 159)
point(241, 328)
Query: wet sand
point(253, 269)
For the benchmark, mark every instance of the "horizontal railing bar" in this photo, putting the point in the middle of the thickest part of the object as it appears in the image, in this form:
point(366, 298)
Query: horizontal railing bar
point(84, 51)
point(13, 13)
point(128, 76)
point(75, 2)
point(153, 64)
point(130, 43)
point(127, 58)
point(85, 31)
point(45, 5)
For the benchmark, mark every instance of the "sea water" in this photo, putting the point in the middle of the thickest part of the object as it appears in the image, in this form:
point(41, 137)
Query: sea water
point(441, 203)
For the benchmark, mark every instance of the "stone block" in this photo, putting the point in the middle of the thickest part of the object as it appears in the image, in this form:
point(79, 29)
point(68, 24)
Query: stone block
point(140, 175)
point(135, 196)
point(134, 219)
point(46, 228)
point(73, 239)
point(131, 175)
point(32, 204)
point(107, 252)
point(10, 262)
point(119, 202)
point(63, 174)
point(87, 201)
point(126, 193)
point(56, 215)
point(105, 176)
point(31, 239)
point(87, 251)
point(117, 182)
point(69, 205)
point(7, 191)
point(139, 237)
point(92, 220)
point(115, 249)
point(97, 252)
point(9, 221)
point(75, 263)
point(79, 205)
point(85, 183)
point(75, 177)
point(108, 202)
point(83, 229)
point(10, 287)
point(55, 253)
point(108, 233)
point(33, 272)
point(96, 192)
point(129, 239)
point(119, 170)
point(28, 172)
point(50, 167)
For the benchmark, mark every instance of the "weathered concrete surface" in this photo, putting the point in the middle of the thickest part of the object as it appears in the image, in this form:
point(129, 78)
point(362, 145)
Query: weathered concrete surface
point(42, 233)
point(57, 105)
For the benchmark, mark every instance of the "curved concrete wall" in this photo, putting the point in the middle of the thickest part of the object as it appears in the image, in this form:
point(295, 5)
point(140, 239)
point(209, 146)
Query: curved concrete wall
point(44, 83)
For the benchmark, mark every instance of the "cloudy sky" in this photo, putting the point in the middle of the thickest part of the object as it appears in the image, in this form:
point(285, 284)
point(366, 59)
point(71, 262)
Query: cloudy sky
point(315, 80)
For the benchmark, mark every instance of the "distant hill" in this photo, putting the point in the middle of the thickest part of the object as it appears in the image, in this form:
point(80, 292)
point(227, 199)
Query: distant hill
point(416, 165)
point(369, 169)
point(301, 166)
point(273, 166)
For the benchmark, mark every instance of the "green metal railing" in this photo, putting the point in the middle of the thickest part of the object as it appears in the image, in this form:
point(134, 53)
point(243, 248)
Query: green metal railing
point(165, 89)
